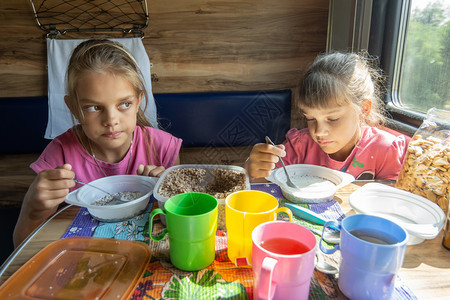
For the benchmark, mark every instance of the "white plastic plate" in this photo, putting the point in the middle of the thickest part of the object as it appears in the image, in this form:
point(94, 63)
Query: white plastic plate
point(422, 218)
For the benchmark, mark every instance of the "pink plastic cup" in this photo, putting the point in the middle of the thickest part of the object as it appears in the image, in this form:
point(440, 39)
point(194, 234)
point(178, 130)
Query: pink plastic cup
point(283, 260)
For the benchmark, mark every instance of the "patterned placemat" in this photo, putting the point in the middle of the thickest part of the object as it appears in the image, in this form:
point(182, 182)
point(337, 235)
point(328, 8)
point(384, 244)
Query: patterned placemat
point(222, 279)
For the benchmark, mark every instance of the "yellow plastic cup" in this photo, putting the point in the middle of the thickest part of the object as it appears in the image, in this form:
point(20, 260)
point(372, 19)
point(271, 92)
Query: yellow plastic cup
point(244, 210)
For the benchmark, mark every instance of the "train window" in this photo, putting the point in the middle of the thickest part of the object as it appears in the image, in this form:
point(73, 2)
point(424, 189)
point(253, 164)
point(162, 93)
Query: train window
point(411, 39)
point(423, 80)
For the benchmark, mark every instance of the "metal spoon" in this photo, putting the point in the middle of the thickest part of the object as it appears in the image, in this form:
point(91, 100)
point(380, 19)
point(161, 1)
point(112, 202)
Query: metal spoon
point(288, 179)
point(324, 267)
point(115, 199)
point(331, 237)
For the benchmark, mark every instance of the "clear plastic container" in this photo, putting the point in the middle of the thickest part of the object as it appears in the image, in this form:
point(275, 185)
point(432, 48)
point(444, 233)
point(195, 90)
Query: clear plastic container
point(208, 179)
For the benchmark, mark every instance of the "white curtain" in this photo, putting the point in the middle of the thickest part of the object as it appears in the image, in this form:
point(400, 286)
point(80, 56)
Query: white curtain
point(58, 55)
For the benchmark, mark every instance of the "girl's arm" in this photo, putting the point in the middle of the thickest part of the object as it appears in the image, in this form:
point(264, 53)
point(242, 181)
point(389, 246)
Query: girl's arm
point(262, 160)
point(48, 190)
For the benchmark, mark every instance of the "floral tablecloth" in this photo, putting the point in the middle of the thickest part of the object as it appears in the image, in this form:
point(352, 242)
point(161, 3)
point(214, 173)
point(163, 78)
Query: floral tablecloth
point(222, 279)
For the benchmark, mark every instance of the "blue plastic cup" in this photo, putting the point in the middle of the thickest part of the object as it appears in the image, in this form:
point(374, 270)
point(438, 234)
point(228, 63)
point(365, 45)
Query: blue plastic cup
point(373, 250)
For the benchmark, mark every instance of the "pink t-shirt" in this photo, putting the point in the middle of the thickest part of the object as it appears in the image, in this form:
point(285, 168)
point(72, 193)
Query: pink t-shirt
point(67, 149)
point(377, 155)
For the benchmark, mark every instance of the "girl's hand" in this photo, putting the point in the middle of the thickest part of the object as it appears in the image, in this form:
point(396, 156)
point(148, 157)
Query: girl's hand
point(46, 192)
point(150, 170)
point(262, 159)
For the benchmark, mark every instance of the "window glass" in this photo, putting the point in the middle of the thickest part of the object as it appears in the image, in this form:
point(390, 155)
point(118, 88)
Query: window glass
point(424, 81)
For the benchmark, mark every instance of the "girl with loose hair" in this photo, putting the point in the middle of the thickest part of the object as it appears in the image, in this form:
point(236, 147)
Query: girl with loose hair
point(340, 99)
point(104, 93)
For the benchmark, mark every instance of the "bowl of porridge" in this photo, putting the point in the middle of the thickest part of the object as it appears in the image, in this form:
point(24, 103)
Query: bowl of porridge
point(216, 180)
point(134, 190)
point(315, 184)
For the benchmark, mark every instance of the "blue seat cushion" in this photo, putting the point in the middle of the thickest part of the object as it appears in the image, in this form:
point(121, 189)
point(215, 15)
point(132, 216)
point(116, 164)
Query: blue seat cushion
point(225, 119)
point(23, 124)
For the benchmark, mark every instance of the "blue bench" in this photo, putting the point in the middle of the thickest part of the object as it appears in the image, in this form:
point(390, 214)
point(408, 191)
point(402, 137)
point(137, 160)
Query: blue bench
point(213, 119)
point(23, 124)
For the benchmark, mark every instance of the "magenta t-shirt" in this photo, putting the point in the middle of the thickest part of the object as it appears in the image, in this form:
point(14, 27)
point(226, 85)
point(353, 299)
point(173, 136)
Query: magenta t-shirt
point(66, 148)
point(377, 155)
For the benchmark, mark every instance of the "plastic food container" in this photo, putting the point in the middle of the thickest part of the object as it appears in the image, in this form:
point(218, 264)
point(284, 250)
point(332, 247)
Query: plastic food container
point(316, 184)
point(208, 179)
point(422, 218)
point(86, 195)
point(80, 268)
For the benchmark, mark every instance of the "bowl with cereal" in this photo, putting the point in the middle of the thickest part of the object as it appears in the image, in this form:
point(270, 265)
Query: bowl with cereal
point(315, 184)
point(216, 180)
point(135, 190)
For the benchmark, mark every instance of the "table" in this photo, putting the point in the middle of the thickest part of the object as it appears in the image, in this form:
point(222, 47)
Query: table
point(426, 269)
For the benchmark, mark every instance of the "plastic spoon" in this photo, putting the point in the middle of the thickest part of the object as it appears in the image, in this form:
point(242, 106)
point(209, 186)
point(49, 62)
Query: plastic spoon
point(115, 199)
point(288, 179)
point(307, 214)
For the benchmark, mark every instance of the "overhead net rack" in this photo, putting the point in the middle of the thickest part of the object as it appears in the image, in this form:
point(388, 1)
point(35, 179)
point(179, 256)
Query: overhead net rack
point(58, 17)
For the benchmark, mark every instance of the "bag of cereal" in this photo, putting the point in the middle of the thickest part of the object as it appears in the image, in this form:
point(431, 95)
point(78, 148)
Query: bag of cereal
point(426, 168)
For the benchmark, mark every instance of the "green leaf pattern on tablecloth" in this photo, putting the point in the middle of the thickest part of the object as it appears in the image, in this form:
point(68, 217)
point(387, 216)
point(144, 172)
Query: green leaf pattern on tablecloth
point(134, 229)
point(203, 284)
point(316, 292)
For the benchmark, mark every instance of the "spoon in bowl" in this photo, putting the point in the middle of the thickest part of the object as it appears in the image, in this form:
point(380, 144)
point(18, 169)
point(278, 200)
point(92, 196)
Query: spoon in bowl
point(288, 179)
point(115, 199)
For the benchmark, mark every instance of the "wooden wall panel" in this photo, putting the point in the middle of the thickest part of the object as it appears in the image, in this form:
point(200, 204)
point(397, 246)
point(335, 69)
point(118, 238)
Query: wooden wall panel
point(234, 45)
point(194, 45)
point(22, 51)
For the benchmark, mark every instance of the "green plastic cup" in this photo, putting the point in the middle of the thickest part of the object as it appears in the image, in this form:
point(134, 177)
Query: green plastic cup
point(191, 224)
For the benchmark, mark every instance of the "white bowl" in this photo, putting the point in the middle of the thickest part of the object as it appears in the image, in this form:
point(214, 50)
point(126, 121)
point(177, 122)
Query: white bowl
point(422, 218)
point(86, 195)
point(209, 178)
point(316, 184)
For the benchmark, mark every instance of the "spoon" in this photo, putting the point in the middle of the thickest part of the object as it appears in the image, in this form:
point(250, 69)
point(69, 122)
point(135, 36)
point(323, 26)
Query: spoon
point(307, 214)
point(324, 267)
point(115, 199)
point(288, 179)
point(331, 237)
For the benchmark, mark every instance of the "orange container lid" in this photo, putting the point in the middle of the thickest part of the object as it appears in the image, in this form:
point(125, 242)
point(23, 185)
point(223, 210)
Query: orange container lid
point(80, 268)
